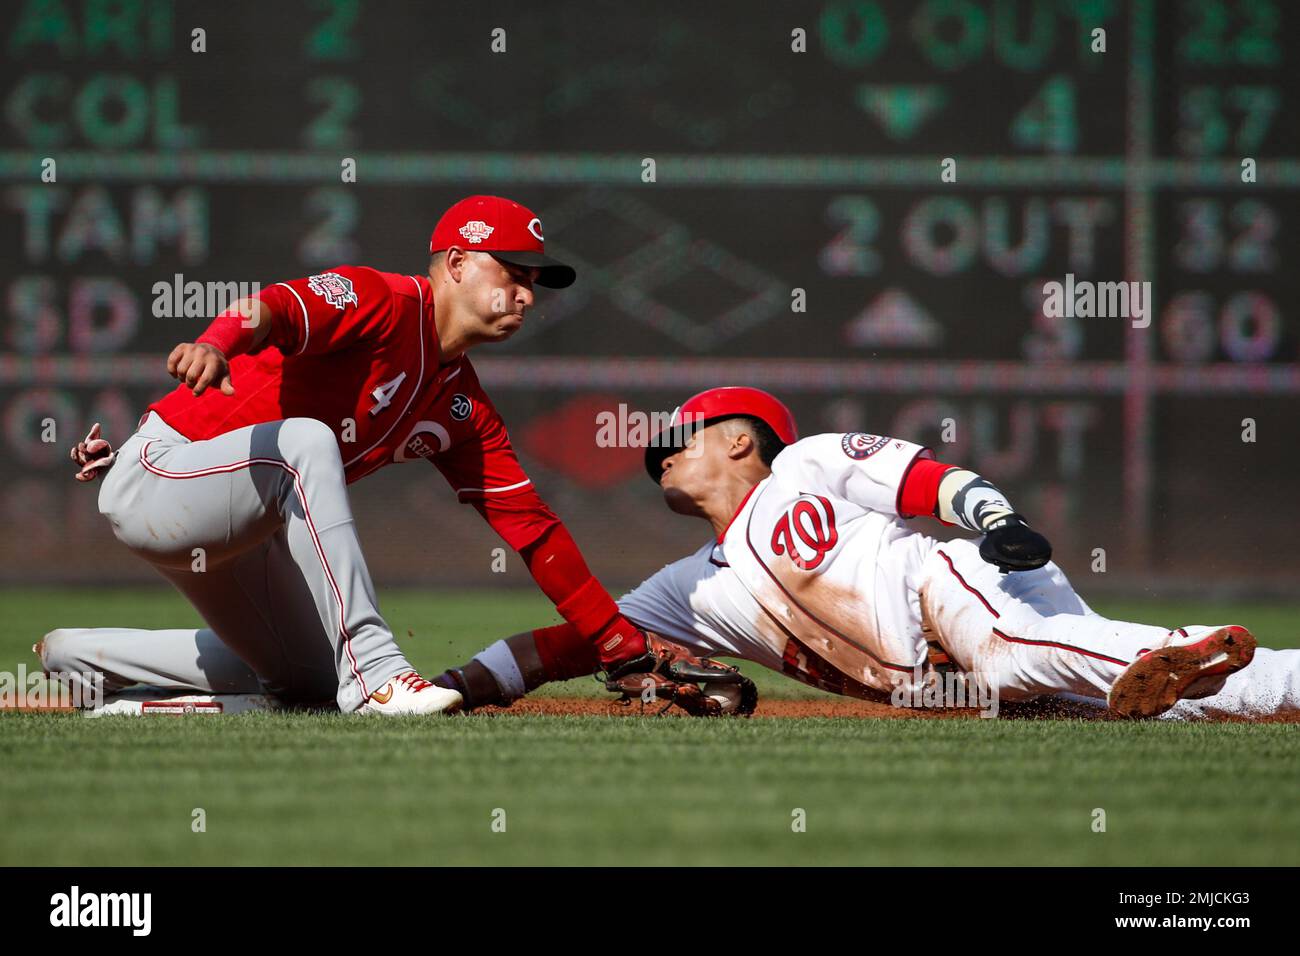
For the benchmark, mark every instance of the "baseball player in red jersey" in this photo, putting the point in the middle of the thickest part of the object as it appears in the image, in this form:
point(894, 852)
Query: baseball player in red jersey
point(813, 574)
point(234, 486)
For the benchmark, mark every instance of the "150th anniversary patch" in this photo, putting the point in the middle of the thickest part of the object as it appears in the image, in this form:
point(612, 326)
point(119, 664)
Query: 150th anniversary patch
point(336, 289)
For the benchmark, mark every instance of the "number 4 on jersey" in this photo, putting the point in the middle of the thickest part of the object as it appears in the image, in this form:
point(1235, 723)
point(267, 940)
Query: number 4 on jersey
point(383, 394)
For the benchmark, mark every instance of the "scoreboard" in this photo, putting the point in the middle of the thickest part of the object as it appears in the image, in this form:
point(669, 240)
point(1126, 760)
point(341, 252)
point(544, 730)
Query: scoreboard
point(856, 204)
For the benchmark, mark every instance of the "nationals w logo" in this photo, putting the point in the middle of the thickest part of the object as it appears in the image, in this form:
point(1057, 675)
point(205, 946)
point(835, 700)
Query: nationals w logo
point(806, 532)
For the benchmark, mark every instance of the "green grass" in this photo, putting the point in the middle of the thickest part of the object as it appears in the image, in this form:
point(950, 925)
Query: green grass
point(302, 789)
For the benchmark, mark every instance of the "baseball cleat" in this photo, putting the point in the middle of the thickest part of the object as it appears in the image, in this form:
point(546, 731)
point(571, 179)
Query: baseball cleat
point(1189, 666)
point(410, 693)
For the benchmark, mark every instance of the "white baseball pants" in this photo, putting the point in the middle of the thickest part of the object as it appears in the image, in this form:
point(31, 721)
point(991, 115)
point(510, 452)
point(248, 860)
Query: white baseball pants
point(1028, 633)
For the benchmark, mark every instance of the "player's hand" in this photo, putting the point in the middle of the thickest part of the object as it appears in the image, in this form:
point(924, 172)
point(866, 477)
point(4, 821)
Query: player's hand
point(200, 365)
point(1014, 546)
point(93, 455)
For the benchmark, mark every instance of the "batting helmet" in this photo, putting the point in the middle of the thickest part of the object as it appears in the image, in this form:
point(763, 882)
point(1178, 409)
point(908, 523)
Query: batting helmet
point(710, 407)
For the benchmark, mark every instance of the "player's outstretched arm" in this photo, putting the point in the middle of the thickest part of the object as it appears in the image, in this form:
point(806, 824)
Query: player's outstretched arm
point(961, 497)
point(508, 669)
point(486, 474)
point(559, 569)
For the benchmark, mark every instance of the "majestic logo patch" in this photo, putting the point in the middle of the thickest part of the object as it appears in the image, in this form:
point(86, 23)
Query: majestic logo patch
point(461, 407)
point(476, 230)
point(860, 445)
point(336, 289)
point(535, 227)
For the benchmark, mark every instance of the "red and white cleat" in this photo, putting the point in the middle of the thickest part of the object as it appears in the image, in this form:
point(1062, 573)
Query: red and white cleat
point(1194, 664)
point(410, 693)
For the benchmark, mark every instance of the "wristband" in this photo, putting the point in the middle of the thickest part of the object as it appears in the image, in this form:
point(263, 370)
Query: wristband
point(230, 334)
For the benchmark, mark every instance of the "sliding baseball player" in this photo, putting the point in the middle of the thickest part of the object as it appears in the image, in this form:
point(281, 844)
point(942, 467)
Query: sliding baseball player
point(812, 573)
point(235, 485)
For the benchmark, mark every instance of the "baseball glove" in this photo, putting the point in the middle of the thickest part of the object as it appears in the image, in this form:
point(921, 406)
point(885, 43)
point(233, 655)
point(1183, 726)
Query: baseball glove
point(702, 688)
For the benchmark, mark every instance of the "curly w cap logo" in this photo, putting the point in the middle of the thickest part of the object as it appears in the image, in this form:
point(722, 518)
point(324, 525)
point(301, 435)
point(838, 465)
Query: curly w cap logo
point(860, 445)
point(335, 289)
point(476, 230)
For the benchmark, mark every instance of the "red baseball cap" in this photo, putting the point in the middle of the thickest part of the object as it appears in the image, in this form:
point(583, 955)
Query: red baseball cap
point(511, 232)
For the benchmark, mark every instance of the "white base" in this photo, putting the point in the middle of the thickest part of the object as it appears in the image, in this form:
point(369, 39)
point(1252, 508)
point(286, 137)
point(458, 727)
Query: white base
point(155, 702)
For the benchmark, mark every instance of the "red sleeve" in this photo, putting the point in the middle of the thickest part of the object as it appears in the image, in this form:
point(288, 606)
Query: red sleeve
point(484, 471)
point(329, 311)
point(919, 492)
point(556, 564)
point(553, 559)
point(560, 571)
point(520, 519)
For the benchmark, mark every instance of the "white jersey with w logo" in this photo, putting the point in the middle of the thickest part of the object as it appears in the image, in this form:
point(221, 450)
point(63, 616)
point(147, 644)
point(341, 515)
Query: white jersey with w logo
point(816, 576)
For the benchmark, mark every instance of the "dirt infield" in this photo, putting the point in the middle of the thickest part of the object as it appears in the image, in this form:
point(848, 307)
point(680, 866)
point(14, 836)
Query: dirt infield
point(795, 709)
point(839, 707)
point(835, 707)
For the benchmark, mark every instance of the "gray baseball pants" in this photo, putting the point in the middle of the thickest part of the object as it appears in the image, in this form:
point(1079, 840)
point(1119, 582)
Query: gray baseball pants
point(255, 529)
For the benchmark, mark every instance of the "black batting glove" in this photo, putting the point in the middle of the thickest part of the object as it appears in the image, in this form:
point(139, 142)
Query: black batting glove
point(1012, 545)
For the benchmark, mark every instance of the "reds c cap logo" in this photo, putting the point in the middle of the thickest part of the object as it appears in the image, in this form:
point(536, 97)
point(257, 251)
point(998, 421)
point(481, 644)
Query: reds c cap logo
point(418, 444)
point(535, 227)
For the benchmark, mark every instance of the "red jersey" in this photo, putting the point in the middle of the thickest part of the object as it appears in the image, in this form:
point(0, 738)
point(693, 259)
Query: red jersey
point(357, 349)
